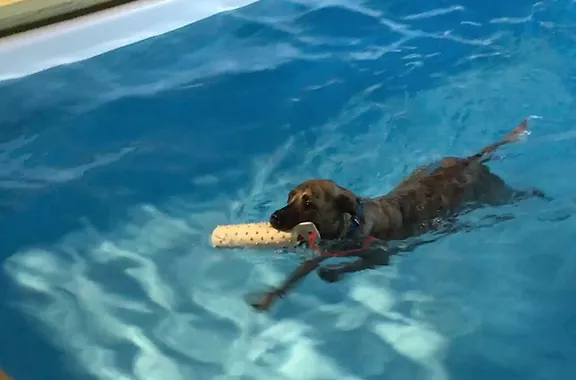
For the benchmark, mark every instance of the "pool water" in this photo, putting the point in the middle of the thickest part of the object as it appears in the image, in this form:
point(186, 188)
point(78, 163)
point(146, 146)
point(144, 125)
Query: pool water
point(115, 170)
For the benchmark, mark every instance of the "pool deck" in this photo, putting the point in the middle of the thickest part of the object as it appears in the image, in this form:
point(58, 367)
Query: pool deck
point(18, 16)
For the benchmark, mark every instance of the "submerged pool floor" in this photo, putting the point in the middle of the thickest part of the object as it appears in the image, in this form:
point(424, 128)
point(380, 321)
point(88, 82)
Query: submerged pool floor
point(114, 171)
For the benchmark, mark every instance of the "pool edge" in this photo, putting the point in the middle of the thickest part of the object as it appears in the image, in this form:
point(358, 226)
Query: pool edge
point(81, 38)
point(26, 15)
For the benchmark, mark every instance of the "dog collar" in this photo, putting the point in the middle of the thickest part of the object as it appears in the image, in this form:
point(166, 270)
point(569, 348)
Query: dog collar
point(355, 219)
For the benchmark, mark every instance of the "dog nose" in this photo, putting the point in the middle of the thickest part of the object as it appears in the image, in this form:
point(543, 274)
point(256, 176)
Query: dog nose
point(274, 220)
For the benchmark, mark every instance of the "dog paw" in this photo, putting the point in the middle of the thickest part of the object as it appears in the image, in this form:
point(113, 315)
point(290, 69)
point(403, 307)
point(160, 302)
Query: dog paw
point(328, 274)
point(262, 301)
point(259, 301)
point(260, 306)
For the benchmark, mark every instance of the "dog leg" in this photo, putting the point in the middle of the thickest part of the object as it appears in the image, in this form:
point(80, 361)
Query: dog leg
point(378, 256)
point(494, 191)
point(381, 257)
point(508, 195)
point(263, 301)
point(520, 195)
point(334, 272)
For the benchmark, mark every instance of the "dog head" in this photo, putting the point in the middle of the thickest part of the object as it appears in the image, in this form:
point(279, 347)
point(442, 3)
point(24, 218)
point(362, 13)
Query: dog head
point(319, 201)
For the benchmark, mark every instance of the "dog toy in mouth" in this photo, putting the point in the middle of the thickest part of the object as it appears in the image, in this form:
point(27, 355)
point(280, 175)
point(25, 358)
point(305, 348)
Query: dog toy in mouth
point(261, 235)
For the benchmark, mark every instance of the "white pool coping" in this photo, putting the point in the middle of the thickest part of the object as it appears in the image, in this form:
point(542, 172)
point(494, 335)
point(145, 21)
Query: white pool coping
point(89, 36)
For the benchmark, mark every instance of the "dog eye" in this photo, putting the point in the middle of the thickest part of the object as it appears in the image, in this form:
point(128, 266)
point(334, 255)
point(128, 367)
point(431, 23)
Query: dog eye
point(307, 204)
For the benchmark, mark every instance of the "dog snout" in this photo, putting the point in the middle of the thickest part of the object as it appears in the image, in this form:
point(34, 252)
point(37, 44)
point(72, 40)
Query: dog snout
point(283, 219)
point(275, 220)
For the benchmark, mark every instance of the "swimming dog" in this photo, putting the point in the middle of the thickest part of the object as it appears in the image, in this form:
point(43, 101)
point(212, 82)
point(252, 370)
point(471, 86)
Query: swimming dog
point(431, 193)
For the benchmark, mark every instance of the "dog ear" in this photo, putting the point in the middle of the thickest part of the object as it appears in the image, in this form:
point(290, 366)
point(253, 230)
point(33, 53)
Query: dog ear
point(345, 203)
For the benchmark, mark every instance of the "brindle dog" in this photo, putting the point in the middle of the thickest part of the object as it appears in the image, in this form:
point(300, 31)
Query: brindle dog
point(429, 194)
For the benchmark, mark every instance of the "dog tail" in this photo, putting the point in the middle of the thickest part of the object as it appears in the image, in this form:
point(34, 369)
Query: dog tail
point(512, 136)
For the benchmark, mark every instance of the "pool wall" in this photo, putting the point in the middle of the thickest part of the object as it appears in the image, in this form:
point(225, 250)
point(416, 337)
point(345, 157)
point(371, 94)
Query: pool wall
point(84, 37)
point(17, 16)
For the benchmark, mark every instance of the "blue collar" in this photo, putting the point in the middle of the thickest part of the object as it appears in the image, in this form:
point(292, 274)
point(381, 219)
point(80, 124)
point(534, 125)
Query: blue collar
point(355, 220)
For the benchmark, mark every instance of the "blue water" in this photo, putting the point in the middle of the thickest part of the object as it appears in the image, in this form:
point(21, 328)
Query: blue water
point(113, 172)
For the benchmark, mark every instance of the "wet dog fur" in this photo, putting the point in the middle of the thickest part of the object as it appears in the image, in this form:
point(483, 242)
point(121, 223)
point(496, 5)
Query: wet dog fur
point(432, 193)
